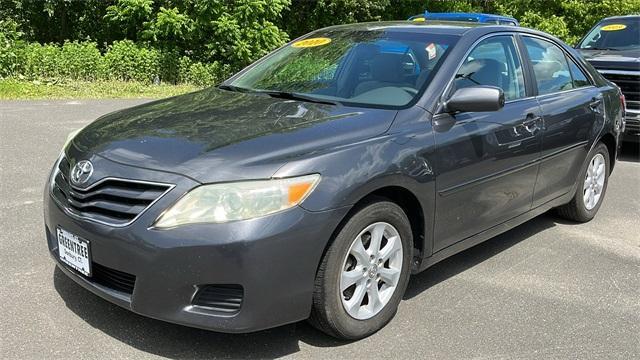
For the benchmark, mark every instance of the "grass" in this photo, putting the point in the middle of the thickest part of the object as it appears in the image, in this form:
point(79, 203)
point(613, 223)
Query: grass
point(13, 89)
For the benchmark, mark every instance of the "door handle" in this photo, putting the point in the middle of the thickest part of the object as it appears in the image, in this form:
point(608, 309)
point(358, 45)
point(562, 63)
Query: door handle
point(531, 125)
point(594, 105)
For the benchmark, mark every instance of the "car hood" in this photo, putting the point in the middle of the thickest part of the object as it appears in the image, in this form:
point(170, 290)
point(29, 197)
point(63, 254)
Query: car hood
point(613, 59)
point(216, 135)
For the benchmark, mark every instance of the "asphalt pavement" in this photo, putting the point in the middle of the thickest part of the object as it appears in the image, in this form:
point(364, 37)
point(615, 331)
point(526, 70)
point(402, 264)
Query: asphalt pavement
point(546, 289)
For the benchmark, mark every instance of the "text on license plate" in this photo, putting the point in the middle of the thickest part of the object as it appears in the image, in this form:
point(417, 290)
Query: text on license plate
point(74, 252)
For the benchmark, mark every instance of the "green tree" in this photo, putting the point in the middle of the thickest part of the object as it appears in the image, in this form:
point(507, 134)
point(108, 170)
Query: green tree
point(566, 19)
point(240, 31)
point(235, 32)
point(218, 36)
point(131, 16)
point(304, 16)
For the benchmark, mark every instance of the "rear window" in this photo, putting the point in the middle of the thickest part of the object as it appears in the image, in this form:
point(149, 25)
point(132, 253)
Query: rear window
point(549, 66)
point(579, 78)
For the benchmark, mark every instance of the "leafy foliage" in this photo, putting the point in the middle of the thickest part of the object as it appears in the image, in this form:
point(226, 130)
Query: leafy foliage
point(201, 74)
point(80, 61)
point(41, 61)
point(127, 61)
point(130, 15)
point(9, 47)
point(202, 41)
point(567, 19)
point(307, 15)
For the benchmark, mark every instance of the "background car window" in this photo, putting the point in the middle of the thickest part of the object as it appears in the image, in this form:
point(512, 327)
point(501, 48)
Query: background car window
point(579, 78)
point(493, 62)
point(549, 66)
point(617, 34)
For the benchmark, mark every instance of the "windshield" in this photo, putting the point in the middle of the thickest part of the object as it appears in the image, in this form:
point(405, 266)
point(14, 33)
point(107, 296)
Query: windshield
point(359, 67)
point(619, 34)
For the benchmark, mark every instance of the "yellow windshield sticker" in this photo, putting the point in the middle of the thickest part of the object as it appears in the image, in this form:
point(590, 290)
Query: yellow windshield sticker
point(419, 19)
point(311, 42)
point(614, 27)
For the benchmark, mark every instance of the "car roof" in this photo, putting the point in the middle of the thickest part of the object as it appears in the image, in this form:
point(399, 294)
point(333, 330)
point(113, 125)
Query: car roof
point(435, 27)
point(621, 17)
point(443, 27)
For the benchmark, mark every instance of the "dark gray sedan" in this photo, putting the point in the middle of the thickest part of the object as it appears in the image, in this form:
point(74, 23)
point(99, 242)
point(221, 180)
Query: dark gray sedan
point(314, 182)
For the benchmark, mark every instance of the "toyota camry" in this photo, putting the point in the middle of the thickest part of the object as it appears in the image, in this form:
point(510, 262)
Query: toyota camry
point(313, 183)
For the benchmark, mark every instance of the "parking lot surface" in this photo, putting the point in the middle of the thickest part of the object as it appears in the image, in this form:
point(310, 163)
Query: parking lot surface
point(546, 289)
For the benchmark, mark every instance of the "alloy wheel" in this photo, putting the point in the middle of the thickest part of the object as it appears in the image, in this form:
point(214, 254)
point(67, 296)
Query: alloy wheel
point(594, 181)
point(371, 270)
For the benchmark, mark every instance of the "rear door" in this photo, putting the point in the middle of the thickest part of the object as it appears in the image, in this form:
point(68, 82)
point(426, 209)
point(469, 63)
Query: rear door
point(486, 162)
point(572, 109)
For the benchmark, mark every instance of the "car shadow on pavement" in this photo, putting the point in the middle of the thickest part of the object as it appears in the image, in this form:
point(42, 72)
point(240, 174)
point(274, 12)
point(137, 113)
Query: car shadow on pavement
point(175, 341)
point(630, 152)
point(181, 342)
point(477, 254)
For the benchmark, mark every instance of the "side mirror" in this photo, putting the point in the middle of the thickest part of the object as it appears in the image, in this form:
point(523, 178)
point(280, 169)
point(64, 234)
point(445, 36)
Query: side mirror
point(475, 99)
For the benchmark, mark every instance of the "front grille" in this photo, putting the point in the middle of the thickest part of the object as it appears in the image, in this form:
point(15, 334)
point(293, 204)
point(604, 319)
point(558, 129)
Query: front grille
point(223, 298)
point(630, 86)
point(111, 201)
point(633, 104)
point(112, 278)
point(632, 125)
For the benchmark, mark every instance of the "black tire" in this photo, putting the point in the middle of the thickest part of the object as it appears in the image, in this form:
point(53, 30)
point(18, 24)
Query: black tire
point(328, 313)
point(576, 209)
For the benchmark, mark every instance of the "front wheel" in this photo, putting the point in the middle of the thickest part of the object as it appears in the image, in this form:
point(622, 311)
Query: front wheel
point(364, 273)
point(591, 187)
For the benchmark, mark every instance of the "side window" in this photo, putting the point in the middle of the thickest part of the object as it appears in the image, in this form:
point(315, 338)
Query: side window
point(494, 62)
point(549, 66)
point(579, 78)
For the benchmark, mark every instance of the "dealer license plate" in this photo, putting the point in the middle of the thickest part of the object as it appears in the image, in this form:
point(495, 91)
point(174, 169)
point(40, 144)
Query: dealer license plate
point(74, 251)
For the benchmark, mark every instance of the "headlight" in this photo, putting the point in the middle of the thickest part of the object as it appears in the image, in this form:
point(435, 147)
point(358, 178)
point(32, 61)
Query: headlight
point(69, 138)
point(55, 171)
point(219, 203)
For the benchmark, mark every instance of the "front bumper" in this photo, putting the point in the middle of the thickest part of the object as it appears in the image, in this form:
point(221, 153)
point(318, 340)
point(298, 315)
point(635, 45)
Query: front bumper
point(273, 258)
point(632, 126)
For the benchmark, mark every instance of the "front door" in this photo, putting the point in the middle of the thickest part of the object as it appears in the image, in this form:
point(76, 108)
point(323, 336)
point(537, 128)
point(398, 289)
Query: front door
point(486, 162)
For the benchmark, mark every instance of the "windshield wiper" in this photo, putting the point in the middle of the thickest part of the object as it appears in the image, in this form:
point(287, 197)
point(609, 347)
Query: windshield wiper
point(277, 94)
point(294, 96)
point(597, 48)
point(233, 88)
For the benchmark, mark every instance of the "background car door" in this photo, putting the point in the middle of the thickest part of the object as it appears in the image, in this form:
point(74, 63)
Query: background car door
point(486, 162)
point(572, 111)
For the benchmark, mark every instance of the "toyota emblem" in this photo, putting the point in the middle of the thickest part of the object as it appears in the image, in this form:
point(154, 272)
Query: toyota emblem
point(81, 172)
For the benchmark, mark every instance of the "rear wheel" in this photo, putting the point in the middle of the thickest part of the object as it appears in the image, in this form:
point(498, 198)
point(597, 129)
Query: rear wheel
point(592, 185)
point(364, 273)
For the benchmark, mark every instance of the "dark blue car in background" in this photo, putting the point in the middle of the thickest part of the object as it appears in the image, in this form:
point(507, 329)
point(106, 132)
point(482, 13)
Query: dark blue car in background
point(470, 17)
point(612, 46)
